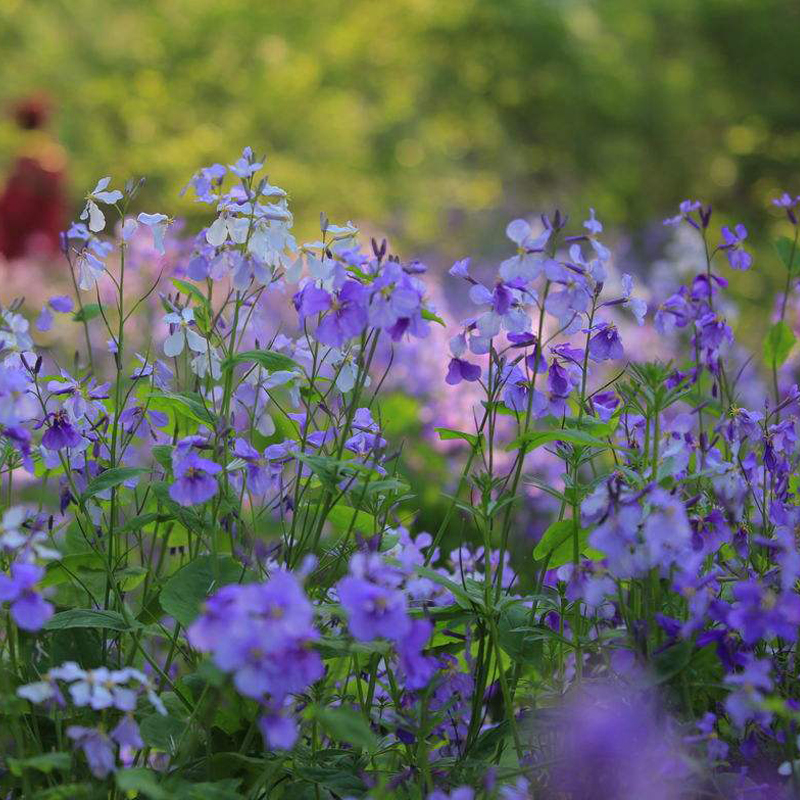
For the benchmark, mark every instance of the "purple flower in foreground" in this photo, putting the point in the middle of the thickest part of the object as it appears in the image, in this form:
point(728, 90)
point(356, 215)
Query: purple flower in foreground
point(61, 432)
point(672, 313)
point(373, 611)
point(459, 370)
point(461, 793)
point(44, 322)
point(261, 633)
point(605, 345)
point(97, 748)
point(195, 480)
point(28, 608)
point(279, 731)
point(126, 733)
point(418, 668)
point(745, 703)
point(347, 316)
point(738, 257)
point(61, 303)
point(605, 404)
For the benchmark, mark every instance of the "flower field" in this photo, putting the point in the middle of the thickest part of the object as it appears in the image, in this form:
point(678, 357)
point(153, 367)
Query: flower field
point(289, 519)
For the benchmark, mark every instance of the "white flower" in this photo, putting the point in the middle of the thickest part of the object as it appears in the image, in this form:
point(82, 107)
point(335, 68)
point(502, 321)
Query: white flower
point(184, 334)
point(209, 361)
point(90, 270)
point(158, 224)
point(217, 233)
point(91, 212)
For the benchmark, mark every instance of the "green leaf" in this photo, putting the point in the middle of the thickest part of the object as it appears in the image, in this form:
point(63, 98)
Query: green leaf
point(534, 439)
point(462, 597)
point(345, 725)
point(446, 434)
point(137, 523)
point(130, 577)
point(144, 781)
point(429, 315)
point(268, 359)
point(87, 618)
point(345, 518)
point(45, 762)
point(672, 661)
point(185, 592)
point(516, 636)
point(557, 541)
point(162, 453)
point(185, 403)
point(335, 779)
point(787, 251)
point(87, 313)
point(778, 344)
point(68, 791)
point(111, 478)
point(190, 289)
point(218, 790)
point(163, 733)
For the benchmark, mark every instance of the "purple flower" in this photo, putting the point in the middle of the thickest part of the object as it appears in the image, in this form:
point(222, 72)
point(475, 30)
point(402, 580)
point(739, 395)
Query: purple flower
point(28, 608)
point(558, 380)
point(279, 731)
point(417, 668)
point(261, 633)
point(97, 748)
point(373, 611)
point(347, 316)
point(44, 322)
point(460, 269)
point(126, 733)
point(605, 345)
point(738, 257)
point(744, 704)
point(572, 298)
point(672, 313)
point(61, 303)
point(605, 404)
point(195, 482)
point(459, 370)
point(61, 433)
point(311, 300)
point(788, 203)
point(396, 303)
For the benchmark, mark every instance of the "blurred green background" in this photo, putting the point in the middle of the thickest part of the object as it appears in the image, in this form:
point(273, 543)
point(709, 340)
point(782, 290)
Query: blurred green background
point(432, 120)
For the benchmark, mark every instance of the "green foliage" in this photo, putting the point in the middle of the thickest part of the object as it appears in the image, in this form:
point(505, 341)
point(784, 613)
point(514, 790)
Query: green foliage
point(466, 110)
point(185, 591)
point(778, 344)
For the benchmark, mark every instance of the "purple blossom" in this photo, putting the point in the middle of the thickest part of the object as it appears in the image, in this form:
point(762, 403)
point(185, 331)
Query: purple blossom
point(61, 433)
point(605, 404)
point(279, 731)
point(261, 633)
point(195, 482)
point(673, 313)
point(738, 257)
point(605, 344)
point(28, 608)
point(373, 611)
point(417, 668)
point(347, 316)
point(97, 747)
point(459, 370)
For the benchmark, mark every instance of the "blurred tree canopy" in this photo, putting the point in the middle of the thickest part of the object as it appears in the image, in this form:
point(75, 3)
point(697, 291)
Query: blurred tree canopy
point(433, 120)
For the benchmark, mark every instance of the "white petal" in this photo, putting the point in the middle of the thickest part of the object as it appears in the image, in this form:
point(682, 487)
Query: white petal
point(195, 341)
point(217, 233)
point(97, 220)
point(173, 346)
